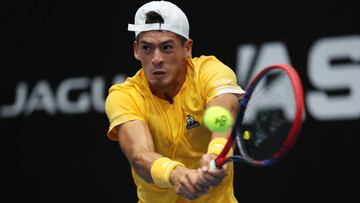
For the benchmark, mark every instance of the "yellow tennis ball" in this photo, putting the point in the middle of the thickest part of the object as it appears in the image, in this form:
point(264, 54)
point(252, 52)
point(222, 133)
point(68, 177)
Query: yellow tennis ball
point(218, 119)
point(247, 135)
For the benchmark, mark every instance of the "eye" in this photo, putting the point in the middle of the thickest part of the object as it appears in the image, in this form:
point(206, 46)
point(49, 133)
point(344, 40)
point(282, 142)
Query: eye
point(146, 48)
point(167, 47)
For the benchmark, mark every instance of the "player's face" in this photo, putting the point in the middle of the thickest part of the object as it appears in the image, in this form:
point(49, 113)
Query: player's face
point(162, 56)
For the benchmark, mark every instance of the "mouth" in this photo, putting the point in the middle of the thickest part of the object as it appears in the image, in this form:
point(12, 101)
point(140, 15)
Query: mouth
point(158, 72)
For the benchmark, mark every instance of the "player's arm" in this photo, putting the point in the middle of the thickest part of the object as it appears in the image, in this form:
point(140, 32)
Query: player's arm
point(137, 144)
point(213, 177)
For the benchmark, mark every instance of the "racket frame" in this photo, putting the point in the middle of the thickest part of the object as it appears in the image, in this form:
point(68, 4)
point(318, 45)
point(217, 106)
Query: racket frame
point(222, 158)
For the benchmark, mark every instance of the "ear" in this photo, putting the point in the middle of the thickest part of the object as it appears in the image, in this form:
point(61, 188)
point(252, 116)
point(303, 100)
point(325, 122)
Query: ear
point(136, 50)
point(188, 48)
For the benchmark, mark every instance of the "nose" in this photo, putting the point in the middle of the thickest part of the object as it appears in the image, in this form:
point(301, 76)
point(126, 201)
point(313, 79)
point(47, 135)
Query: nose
point(157, 57)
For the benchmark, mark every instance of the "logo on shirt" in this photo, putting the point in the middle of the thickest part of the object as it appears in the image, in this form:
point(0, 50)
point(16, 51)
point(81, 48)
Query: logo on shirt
point(191, 122)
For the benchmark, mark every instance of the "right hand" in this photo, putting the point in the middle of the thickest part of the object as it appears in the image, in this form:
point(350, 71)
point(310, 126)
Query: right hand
point(210, 176)
point(186, 183)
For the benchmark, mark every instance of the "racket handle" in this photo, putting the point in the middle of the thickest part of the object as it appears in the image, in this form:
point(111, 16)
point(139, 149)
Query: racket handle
point(218, 162)
point(212, 164)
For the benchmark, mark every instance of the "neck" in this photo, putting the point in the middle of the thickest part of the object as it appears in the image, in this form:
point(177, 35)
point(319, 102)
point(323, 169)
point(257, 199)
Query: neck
point(169, 92)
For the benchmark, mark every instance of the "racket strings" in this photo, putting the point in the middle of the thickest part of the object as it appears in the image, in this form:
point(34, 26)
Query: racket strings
point(265, 119)
point(257, 102)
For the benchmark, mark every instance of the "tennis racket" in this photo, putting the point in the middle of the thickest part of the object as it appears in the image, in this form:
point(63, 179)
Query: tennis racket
point(269, 118)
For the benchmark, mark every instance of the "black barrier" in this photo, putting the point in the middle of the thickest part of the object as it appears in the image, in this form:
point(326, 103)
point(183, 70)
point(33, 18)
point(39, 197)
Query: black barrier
point(58, 58)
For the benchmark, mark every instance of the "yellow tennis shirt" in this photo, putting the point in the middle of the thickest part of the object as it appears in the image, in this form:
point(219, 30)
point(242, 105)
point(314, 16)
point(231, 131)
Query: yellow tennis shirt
point(177, 129)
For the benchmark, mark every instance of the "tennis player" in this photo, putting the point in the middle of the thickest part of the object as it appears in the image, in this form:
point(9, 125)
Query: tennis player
point(156, 115)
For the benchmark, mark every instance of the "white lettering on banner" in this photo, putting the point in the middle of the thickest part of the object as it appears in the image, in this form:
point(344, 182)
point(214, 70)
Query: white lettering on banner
point(252, 60)
point(323, 75)
point(98, 93)
point(82, 104)
point(90, 94)
point(41, 98)
point(20, 100)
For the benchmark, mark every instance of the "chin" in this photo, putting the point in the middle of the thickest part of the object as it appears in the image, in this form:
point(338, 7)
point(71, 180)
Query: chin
point(160, 84)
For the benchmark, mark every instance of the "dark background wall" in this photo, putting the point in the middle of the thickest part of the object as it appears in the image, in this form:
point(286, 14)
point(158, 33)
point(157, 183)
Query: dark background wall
point(58, 58)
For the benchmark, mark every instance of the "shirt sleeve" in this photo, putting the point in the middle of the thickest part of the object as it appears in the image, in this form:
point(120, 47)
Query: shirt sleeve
point(217, 78)
point(121, 106)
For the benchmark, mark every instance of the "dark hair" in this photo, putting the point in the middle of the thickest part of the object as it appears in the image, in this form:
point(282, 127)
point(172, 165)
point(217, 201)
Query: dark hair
point(153, 17)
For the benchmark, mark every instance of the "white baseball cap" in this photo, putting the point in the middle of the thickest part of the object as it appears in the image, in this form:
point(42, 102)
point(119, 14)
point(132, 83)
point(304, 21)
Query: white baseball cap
point(175, 19)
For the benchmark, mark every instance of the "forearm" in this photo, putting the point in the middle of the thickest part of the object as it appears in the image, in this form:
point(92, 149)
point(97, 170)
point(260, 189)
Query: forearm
point(136, 143)
point(156, 169)
point(214, 176)
point(142, 161)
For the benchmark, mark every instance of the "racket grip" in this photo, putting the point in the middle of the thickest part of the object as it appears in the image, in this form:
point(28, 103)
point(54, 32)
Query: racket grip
point(212, 164)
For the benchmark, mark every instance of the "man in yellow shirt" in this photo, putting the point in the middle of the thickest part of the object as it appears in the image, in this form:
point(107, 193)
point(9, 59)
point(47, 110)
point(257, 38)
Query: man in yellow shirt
point(156, 115)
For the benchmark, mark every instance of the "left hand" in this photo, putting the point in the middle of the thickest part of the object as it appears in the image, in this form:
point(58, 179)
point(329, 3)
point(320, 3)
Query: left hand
point(210, 176)
point(186, 183)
